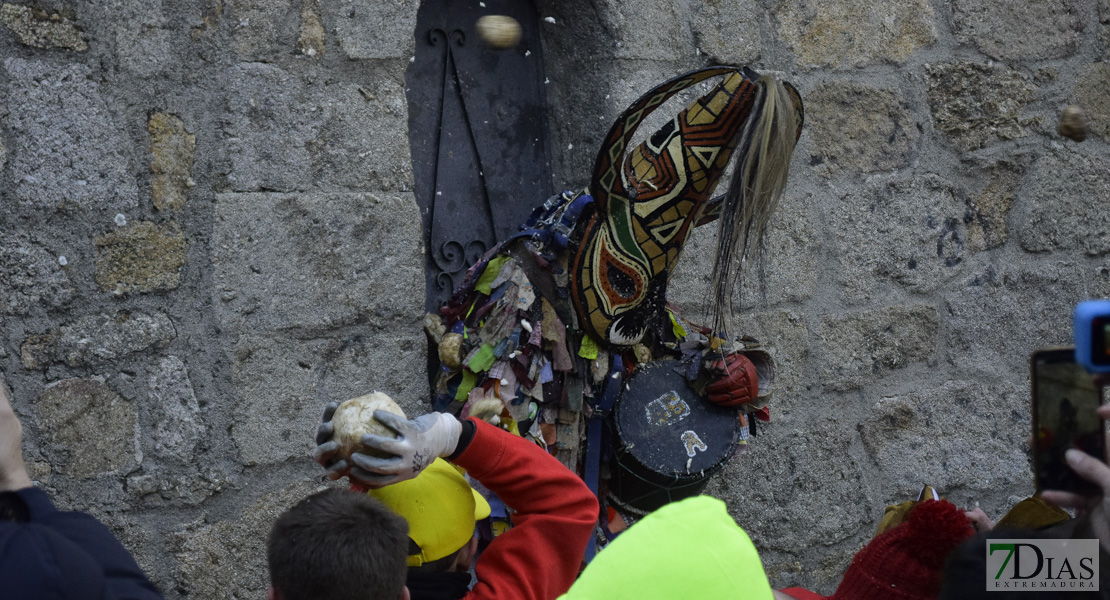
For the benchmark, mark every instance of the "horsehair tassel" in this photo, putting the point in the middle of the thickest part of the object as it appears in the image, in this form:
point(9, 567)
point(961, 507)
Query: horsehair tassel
point(765, 149)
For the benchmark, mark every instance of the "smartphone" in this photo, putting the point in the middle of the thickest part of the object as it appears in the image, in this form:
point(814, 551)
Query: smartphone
point(1065, 396)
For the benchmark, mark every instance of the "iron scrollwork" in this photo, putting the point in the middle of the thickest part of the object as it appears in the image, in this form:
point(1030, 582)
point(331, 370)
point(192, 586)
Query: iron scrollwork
point(477, 131)
point(459, 234)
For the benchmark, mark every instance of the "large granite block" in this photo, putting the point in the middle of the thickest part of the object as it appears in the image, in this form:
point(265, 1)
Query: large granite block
point(91, 430)
point(68, 151)
point(911, 233)
point(978, 104)
point(860, 347)
point(30, 277)
point(317, 260)
point(282, 385)
point(140, 258)
point(1005, 311)
point(798, 493)
point(1063, 205)
point(1046, 29)
point(227, 558)
point(956, 436)
point(858, 128)
point(373, 29)
point(41, 29)
point(855, 33)
point(291, 133)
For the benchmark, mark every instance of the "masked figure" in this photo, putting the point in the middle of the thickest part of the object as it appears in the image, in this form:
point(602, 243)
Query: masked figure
point(551, 324)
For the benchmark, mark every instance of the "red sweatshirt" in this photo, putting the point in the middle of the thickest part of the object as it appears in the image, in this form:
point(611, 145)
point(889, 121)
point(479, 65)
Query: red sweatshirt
point(539, 557)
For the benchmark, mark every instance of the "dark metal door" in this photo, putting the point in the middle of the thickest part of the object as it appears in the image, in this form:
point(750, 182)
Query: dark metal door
point(477, 127)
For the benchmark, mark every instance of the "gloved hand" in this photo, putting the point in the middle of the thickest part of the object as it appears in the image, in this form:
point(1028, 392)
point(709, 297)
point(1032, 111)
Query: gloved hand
point(737, 382)
point(419, 442)
point(327, 450)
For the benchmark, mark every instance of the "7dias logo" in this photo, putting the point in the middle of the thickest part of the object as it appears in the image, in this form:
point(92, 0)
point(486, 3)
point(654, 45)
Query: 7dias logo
point(1040, 565)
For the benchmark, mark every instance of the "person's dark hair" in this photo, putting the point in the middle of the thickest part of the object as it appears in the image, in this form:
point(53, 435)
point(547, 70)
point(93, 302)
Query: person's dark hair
point(338, 545)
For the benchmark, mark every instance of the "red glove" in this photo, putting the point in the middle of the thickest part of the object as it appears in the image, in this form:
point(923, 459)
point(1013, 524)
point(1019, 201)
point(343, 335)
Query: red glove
point(737, 383)
point(763, 414)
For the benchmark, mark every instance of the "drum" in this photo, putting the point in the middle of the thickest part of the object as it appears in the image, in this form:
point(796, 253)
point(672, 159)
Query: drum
point(668, 440)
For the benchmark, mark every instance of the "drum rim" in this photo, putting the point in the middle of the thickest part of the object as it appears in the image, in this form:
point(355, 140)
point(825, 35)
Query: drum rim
point(621, 449)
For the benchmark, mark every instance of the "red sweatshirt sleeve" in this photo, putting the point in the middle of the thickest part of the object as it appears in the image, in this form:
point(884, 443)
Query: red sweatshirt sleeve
point(802, 594)
point(539, 557)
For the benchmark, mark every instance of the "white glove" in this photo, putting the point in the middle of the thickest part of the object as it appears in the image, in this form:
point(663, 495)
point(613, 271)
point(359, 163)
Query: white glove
point(419, 442)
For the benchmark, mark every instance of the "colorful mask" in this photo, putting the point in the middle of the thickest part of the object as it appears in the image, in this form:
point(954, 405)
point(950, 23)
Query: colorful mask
point(647, 200)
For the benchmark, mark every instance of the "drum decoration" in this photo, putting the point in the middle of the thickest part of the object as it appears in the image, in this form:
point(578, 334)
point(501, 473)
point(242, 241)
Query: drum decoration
point(668, 441)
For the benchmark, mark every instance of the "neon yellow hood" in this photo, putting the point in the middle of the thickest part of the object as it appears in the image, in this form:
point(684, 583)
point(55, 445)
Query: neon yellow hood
point(687, 549)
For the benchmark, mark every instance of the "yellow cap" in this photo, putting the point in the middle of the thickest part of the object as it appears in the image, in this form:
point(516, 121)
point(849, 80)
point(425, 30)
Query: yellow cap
point(440, 507)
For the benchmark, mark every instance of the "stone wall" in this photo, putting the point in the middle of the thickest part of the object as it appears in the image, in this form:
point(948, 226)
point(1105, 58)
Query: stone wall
point(207, 231)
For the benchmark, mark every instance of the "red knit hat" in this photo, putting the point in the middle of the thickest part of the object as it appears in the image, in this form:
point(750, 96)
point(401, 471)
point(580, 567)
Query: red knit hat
point(906, 561)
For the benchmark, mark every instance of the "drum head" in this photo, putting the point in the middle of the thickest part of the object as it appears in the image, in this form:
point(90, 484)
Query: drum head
point(668, 438)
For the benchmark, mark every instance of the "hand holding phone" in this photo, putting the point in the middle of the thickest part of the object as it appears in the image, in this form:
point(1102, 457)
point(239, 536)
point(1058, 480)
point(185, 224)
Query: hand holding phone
point(1096, 506)
point(1065, 399)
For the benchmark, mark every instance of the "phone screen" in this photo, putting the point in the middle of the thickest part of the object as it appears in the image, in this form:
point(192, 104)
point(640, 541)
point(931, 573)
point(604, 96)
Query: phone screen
point(1101, 337)
point(1065, 397)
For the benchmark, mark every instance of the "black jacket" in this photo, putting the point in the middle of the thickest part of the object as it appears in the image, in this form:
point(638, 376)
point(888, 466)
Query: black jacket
point(47, 554)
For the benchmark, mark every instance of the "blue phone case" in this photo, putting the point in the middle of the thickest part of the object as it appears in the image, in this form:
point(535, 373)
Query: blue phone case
point(1092, 335)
